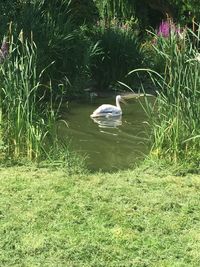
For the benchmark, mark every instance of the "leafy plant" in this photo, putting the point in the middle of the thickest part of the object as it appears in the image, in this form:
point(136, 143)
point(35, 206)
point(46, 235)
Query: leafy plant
point(120, 53)
point(25, 119)
point(175, 117)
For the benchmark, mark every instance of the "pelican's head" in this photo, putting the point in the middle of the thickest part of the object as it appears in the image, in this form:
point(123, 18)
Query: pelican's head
point(120, 98)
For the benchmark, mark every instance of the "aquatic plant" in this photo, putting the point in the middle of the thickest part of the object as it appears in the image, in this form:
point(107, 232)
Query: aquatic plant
point(25, 119)
point(174, 117)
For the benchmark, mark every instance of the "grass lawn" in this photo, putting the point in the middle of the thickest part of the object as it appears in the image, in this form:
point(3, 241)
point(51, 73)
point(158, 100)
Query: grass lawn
point(136, 218)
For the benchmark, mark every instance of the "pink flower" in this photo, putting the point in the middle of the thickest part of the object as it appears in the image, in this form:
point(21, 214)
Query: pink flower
point(4, 50)
point(166, 28)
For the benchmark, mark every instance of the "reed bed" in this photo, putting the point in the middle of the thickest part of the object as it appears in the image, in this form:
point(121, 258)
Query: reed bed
point(26, 119)
point(175, 117)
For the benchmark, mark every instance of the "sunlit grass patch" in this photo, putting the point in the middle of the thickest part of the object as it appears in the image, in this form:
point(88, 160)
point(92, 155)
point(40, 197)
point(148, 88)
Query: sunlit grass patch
point(129, 218)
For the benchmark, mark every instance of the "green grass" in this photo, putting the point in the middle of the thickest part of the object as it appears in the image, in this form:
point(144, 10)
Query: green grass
point(143, 217)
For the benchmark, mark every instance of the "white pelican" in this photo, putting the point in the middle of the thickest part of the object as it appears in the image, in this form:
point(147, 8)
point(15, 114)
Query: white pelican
point(107, 110)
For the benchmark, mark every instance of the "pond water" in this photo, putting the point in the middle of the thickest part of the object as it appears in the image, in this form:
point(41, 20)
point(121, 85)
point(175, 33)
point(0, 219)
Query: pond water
point(109, 144)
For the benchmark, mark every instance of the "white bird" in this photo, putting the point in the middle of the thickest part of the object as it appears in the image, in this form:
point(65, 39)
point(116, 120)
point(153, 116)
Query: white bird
point(107, 110)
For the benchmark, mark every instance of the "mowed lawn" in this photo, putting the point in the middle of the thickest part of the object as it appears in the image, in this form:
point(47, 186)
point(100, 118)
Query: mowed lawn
point(143, 217)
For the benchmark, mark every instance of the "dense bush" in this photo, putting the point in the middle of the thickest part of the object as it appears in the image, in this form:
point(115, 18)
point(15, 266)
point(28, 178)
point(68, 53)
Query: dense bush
point(58, 31)
point(120, 53)
point(186, 11)
point(51, 24)
point(150, 13)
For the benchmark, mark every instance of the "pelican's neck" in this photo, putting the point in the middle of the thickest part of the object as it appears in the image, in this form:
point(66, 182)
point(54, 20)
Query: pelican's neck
point(117, 101)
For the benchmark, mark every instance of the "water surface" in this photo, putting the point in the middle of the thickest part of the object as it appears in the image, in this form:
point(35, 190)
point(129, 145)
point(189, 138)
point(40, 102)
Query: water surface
point(109, 144)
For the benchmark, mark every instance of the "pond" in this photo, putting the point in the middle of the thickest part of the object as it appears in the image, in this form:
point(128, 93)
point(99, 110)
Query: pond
point(109, 144)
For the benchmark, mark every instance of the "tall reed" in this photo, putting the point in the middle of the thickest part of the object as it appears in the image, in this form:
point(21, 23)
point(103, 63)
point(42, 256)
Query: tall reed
point(25, 118)
point(109, 9)
point(175, 118)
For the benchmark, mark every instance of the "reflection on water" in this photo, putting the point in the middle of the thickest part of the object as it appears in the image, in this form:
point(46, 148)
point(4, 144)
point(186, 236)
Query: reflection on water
point(108, 122)
point(110, 143)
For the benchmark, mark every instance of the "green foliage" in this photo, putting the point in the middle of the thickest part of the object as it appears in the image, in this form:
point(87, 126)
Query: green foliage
point(109, 9)
point(186, 10)
point(84, 55)
point(176, 123)
point(150, 13)
point(28, 121)
point(83, 12)
point(120, 53)
point(25, 119)
point(9, 10)
point(60, 40)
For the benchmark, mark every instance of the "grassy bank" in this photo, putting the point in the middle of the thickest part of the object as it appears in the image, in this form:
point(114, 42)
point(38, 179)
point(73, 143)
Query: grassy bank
point(143, 217)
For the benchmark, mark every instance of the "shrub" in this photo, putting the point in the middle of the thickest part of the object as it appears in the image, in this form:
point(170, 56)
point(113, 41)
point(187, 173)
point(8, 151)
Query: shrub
point(120, 53)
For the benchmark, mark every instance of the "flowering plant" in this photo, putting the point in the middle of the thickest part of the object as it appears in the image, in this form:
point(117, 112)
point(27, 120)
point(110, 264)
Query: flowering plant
point(168, 27)
point(4, 50)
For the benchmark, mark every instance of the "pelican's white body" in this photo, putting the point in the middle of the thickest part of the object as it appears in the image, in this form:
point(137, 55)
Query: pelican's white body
point(107, 110)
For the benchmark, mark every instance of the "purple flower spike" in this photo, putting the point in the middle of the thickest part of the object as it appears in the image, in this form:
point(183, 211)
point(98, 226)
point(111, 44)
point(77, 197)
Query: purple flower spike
point(4, 50)
point(164, 29)
point(167, 27)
